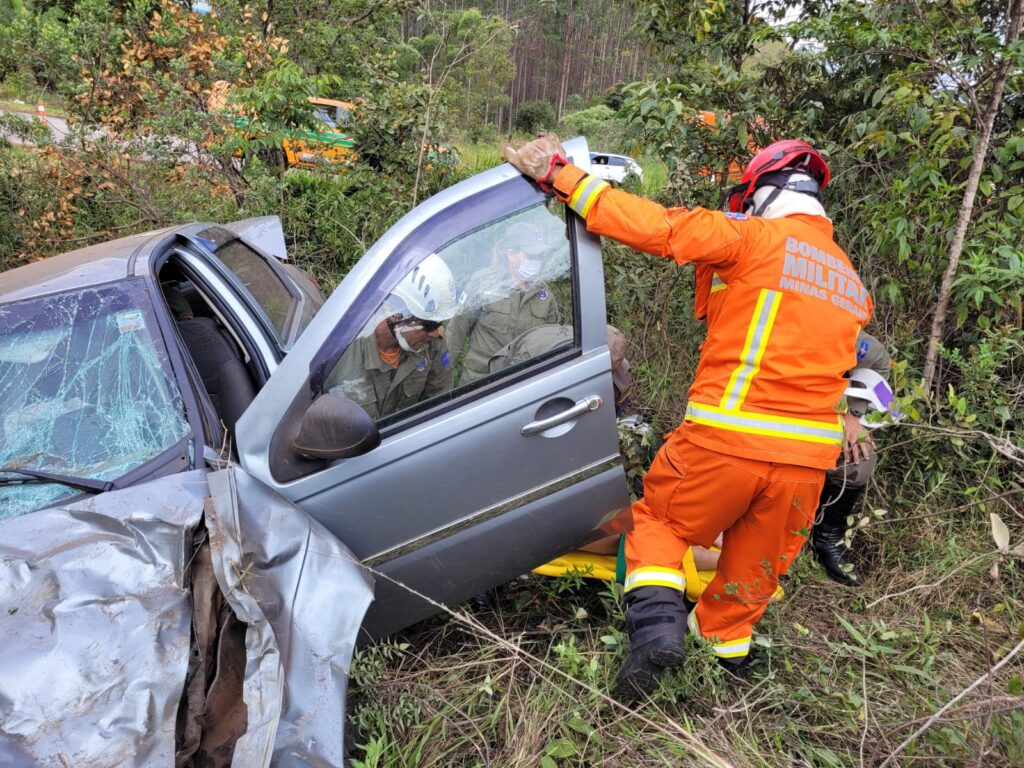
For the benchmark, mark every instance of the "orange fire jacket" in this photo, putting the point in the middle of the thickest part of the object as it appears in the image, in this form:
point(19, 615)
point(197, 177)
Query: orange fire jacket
point(783, 306)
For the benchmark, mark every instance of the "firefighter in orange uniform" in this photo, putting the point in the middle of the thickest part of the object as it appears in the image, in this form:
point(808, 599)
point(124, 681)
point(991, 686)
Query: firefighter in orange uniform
point(763, 421)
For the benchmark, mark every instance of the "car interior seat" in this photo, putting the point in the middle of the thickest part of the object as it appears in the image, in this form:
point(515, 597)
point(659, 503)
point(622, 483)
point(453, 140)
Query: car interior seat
point(225, 377)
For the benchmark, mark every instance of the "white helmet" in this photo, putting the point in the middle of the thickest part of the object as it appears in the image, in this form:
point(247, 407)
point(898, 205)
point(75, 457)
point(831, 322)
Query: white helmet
point(429, 292)
point(867, 385)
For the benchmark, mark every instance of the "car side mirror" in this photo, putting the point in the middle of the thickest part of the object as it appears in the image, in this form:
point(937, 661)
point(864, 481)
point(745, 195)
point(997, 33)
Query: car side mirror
point(334, 427)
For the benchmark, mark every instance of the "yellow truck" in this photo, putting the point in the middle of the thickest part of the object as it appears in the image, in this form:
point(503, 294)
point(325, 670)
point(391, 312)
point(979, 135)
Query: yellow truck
point(324, 144)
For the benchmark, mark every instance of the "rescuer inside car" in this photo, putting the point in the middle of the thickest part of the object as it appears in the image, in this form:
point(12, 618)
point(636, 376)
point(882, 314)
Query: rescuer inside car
point(404, 360)
point(509, 298)
point(764, 419)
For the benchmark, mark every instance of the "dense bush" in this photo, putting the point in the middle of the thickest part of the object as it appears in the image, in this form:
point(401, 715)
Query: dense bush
point(534, 115)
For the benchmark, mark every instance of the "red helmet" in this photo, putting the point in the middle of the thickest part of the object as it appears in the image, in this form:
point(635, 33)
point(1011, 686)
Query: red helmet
point(791, 155)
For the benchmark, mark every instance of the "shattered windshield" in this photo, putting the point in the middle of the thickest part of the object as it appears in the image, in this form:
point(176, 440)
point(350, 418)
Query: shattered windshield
point(85, 391)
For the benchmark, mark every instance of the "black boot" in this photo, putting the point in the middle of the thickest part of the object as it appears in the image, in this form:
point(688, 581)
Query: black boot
point(656, 621)
point(737, 666)
point(828, 536)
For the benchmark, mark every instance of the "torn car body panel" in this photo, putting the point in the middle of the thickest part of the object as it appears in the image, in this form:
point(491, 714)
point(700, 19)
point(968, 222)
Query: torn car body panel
point(96, 613)
point(302, 595)
point(97, 601)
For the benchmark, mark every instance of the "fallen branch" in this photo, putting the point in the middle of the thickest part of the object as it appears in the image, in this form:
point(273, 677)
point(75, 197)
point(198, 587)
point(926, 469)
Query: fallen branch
point(916, 587)
point(934, 718)
point(1001, 445)
point(678, 731)
point(941, 512)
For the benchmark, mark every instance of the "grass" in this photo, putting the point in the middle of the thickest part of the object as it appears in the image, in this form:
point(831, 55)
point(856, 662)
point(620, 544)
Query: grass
point(835, 684)
point(655, 176)
point(477, 157)
point(13, 102)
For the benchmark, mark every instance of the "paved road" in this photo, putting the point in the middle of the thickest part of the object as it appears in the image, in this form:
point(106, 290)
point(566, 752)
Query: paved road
point(59, 131)
point(58, 125)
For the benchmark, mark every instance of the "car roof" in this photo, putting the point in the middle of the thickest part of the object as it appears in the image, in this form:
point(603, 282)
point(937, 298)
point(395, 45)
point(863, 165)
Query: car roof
point(325, 102)
point(93, 265)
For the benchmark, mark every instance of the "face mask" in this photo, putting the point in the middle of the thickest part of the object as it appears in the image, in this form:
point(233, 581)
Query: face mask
point(528, 269)
point(400, 331)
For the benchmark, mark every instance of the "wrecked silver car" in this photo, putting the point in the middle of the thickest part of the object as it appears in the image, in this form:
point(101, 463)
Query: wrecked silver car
point(202, 462)
point(196, 618)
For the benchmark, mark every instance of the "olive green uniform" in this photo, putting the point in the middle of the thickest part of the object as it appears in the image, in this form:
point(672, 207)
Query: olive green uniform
point(500, 314)
point(535, 342)
point(364, 378)
point(546, 338)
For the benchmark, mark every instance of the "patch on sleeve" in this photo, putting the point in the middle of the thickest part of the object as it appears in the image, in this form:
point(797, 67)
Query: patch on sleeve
point(737, 216)
point(423, 364)
point(862, 349)
point(445, 359)
point(542, 295)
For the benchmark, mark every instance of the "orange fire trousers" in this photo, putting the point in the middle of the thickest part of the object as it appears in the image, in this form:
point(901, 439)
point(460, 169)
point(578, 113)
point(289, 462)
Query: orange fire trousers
point(691, 494)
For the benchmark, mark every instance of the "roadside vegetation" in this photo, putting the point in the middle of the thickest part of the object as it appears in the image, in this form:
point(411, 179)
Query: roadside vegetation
point(924, 664)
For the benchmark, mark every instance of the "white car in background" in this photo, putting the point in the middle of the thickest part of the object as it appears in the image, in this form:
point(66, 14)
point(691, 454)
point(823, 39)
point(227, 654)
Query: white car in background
point(614, 168)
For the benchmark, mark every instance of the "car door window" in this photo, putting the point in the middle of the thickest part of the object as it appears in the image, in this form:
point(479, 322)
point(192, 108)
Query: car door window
point(485, 305)
point(269, 289)
point(260, 279)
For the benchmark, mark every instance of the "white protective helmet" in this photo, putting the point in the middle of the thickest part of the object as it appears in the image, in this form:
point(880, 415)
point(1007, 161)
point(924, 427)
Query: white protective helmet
point(429, 292)
point(867, 385)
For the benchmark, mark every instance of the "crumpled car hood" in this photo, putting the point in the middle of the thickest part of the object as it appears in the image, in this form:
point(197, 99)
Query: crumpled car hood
point(97, 617)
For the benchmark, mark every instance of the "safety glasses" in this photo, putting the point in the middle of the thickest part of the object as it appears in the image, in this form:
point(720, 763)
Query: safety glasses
point(427, 325)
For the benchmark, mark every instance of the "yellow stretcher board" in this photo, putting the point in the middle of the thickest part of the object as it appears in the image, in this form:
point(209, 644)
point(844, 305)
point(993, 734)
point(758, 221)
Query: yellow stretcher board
point(591, 565)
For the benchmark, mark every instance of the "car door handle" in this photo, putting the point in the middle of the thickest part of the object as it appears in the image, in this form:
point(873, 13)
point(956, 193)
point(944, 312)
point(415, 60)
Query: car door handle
point(586, 405)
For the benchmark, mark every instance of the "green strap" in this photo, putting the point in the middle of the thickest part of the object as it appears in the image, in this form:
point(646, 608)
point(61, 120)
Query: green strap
point(620, 561)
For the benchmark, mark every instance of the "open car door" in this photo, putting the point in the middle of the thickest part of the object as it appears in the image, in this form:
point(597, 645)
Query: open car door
point(480, 473)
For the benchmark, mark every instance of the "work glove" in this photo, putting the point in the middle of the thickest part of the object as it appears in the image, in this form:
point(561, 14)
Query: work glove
point(540, 159)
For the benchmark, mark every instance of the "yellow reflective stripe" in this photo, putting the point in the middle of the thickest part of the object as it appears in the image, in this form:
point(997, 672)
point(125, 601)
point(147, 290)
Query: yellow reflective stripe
point(758, 332)
point(826, 433)
point(654, 576)
point(586, 193)
point(732, 649)
point(830, 427)
point(727, 650)
point(693, 585)
point(773, 302)
point(717, 283)
point(691, 622)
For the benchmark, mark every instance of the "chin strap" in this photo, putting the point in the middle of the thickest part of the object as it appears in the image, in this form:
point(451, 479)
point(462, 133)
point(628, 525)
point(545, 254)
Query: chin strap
point(764, 206)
